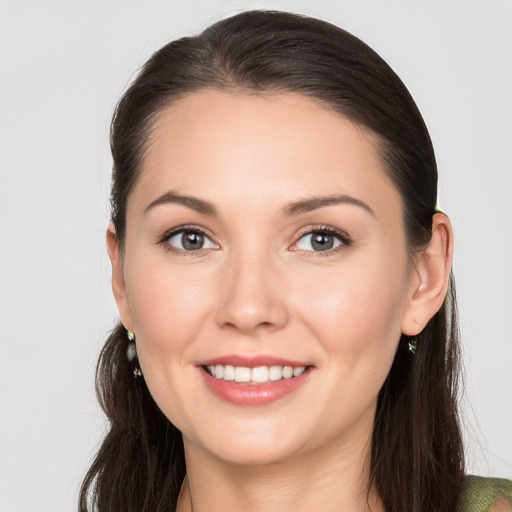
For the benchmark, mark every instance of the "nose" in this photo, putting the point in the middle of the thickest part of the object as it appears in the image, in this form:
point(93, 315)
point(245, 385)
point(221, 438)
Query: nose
point(253, 296)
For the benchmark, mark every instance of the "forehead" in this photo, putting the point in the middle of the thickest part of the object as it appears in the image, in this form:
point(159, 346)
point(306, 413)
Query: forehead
point(224, 144)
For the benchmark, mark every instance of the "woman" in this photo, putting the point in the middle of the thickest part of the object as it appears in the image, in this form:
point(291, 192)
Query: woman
point(288, 335)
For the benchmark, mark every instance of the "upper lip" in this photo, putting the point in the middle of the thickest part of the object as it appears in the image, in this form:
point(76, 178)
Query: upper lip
point(252, 361)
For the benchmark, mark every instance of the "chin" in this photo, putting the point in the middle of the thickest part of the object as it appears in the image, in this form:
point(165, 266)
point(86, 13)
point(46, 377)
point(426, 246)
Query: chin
point(254, 455)
point(254, 445)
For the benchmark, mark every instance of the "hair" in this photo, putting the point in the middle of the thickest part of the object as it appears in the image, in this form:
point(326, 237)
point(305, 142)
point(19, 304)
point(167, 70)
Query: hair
point(416, 461)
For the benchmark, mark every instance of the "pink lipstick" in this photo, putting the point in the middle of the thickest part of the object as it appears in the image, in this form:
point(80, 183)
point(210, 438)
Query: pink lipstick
point(253, 381)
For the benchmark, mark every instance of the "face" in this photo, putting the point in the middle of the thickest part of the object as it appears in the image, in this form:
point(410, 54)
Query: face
point(266, 275)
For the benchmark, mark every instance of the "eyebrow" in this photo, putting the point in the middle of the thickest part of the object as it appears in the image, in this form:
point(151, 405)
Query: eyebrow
point(313, 203)
point(295, 208)
point(172, 197)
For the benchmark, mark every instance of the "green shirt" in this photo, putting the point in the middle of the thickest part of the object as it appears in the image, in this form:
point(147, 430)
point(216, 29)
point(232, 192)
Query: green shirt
point(486, 495)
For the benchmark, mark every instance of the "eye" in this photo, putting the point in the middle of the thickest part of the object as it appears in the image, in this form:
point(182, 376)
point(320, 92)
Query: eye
point(322, 240)
point(187, 239)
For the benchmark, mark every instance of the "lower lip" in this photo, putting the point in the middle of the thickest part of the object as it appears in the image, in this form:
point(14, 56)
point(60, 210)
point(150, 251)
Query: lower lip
point(253, 394)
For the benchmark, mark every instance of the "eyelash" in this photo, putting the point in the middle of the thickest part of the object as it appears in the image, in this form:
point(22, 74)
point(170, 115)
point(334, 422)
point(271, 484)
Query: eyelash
point(343, 237)
point(182, 229)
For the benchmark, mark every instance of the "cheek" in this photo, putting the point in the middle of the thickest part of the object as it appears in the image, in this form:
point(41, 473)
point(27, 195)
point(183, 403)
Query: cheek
point(168, 305)
point(356, 312)
point(355, 317)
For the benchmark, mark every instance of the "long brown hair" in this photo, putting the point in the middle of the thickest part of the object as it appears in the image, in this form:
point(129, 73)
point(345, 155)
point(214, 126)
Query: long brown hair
point(416, 454)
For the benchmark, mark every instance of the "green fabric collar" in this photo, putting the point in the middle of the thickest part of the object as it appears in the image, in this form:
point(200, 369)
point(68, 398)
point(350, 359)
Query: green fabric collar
point(486, 495)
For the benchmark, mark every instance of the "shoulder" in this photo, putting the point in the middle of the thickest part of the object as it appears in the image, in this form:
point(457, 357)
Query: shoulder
point(486, 495)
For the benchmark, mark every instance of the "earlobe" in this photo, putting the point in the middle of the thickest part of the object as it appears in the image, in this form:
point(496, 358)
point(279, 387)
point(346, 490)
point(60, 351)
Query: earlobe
point(118, 281)
point(432, 273)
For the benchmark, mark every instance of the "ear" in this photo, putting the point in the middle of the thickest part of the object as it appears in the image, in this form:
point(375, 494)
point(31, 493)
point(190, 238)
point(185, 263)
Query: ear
point(430, 279)
point(118, 283)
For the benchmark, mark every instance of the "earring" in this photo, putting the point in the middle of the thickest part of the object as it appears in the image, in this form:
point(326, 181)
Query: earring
point(412, 345)
point(131, 353)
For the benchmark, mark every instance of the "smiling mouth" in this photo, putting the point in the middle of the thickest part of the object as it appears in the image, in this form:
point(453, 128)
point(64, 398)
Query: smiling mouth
point(256, 375)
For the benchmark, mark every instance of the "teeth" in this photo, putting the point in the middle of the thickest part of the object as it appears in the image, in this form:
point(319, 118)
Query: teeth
point(241, 374)
point(298, 371)
point(287, 372)
point(275, 373)
point(257, 375)
point(229, 372)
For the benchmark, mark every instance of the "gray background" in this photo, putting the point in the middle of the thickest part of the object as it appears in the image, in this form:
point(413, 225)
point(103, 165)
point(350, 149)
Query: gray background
point(64, 64)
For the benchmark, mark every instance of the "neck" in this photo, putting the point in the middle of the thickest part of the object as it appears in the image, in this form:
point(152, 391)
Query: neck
point(329, 479)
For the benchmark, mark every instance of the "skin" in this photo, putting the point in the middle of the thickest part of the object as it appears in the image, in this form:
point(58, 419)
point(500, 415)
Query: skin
point(259, 287)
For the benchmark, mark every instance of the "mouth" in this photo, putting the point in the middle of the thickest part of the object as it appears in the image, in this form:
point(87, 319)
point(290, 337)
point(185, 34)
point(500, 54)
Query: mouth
point(254, 376)
point(254, 381)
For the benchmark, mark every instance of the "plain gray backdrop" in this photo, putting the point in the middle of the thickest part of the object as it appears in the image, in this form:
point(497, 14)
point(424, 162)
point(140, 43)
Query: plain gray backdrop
point(64, 64)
